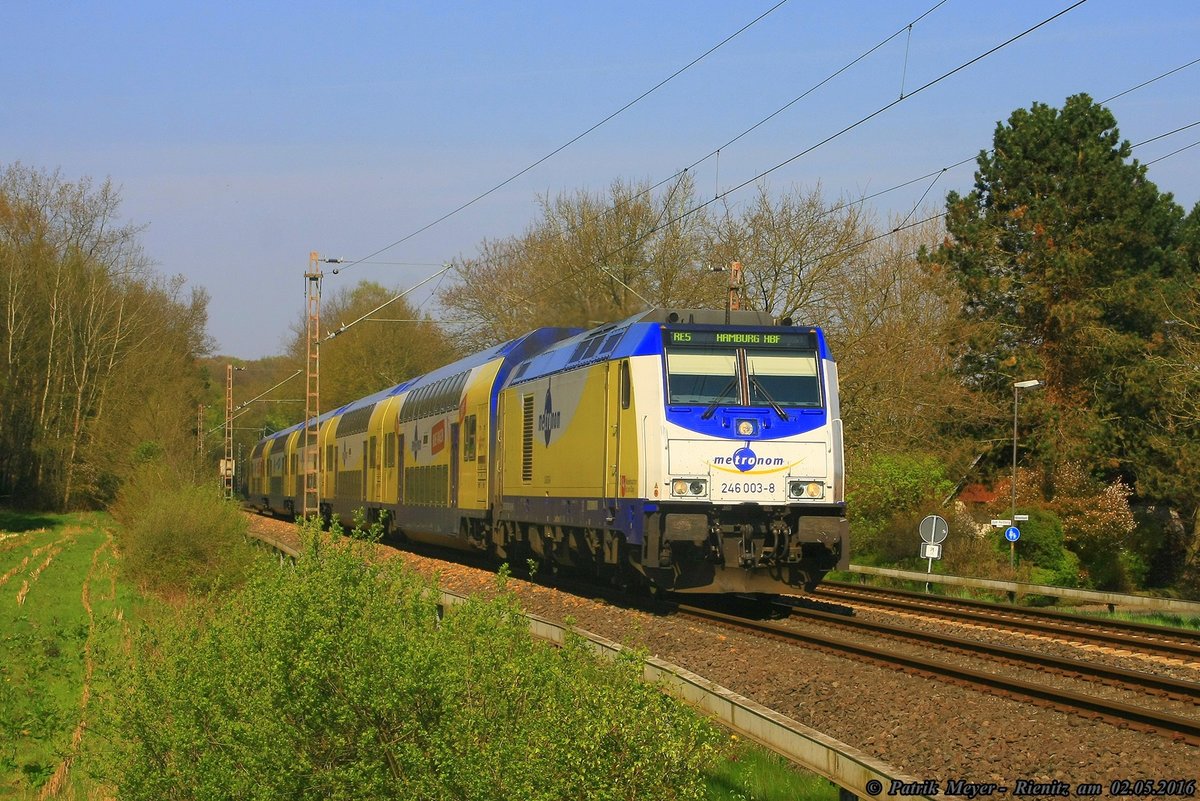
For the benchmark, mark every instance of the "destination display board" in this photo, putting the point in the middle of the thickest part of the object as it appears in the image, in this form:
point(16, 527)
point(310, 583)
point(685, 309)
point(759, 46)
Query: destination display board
point(784, 339)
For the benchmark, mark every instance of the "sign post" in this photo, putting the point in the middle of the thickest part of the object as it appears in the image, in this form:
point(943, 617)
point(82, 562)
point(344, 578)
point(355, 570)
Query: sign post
point(933, 531)
point(1012, 534)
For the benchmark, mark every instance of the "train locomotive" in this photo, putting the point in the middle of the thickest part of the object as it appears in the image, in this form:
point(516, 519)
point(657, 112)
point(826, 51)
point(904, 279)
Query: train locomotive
point(686, 450)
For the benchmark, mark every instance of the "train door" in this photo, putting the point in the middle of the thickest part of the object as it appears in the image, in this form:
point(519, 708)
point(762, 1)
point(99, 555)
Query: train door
point(497, 455)
point(400, 499)
point(616, 398)
point(362, 487)
point(376, 493)
point(454, 465)
point(477, 453)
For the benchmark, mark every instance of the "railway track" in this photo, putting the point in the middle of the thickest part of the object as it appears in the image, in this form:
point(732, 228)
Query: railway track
point(1161, 640)
point(1153, 683)
point(1176, 726)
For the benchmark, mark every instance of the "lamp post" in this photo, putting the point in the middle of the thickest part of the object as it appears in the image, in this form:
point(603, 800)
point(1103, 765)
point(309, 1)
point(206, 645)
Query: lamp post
point(1032, 383)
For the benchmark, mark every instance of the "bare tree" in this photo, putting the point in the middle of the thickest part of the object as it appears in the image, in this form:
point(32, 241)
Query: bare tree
point(588, 259)
point(790, 248)
point(893, 324)
point(392, 345)
point(74, 291)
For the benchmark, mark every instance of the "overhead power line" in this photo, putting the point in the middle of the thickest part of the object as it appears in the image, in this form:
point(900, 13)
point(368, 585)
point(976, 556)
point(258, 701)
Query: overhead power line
point(1173, 153)
point(893, 104)
point(684, 215)
point(1147, 83)
point(1165, 135)
point(344, 326)
point(577, 137)
point(716, 152)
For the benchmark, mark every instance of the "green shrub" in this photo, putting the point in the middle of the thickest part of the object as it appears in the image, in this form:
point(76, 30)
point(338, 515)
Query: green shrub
point(179, 537)
point(888, 497)
point(336, 679)
point(1042, 548)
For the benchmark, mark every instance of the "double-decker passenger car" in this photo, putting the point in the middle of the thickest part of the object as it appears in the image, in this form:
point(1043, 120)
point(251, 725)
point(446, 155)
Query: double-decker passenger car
point(698, 450)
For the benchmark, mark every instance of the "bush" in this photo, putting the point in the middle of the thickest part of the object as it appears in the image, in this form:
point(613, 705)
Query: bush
point(887, 500)
point(178, 537)
point(336, 679)
point(969, 555)
point(1042, 547)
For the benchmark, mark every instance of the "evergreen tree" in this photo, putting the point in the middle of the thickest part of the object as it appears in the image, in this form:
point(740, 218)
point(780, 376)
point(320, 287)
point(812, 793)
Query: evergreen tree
point(1068, 258)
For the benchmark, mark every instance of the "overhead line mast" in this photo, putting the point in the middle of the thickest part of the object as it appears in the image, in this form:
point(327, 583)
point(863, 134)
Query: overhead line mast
point(227, 464)
point(312, 388)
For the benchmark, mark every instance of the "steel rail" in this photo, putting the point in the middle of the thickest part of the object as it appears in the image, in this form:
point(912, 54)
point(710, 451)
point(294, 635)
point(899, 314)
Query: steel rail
point(1176, 726)
point(1134, 640)
point(1178, 688)
point(1035, 613)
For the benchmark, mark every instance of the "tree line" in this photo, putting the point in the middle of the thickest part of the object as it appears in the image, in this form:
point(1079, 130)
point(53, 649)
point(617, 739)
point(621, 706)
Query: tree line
point(1063, 263)
point(97, 350)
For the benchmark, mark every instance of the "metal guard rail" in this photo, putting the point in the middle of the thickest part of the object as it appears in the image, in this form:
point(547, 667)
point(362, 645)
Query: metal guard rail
point(1112, 599)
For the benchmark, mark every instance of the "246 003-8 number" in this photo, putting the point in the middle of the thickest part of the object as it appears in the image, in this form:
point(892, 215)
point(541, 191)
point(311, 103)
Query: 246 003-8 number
point(746, 487)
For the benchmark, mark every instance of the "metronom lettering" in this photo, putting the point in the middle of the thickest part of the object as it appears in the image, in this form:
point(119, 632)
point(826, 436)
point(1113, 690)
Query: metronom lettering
point(766, 461)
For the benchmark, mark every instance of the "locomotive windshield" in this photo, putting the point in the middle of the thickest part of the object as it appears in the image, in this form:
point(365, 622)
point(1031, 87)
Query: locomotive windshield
point(776, 369)
point(702, 376)
point(786, 379)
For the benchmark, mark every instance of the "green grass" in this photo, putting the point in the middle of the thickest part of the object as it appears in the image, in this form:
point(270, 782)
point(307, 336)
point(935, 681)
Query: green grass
point(751, 773)
point(45, 642)
point(1149, 618)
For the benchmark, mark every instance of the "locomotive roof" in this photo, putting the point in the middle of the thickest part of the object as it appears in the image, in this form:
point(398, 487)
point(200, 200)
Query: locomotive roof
point(635, 336)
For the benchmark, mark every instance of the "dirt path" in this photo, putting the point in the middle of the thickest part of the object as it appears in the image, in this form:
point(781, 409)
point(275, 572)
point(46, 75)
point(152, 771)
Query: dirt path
point(58, 781)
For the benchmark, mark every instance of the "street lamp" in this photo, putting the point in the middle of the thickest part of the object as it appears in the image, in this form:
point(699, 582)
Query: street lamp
point(1032, 383)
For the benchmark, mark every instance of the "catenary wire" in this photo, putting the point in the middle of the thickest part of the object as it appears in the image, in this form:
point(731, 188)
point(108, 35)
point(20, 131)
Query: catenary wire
point(576, 138)
point(1173, 153)
point(935, 174)
point(716, 152)
point(828, 139)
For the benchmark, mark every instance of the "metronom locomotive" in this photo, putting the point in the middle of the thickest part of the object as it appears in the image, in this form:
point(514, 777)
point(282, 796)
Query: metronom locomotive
point(674, 448)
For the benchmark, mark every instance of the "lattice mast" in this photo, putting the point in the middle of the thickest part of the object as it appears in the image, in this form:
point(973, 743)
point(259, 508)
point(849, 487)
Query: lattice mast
point(735, 287)
point(312, 393)
point(227, 467)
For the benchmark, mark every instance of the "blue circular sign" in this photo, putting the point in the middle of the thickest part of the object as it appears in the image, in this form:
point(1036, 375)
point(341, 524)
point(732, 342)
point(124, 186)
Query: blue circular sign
point(1012, 533)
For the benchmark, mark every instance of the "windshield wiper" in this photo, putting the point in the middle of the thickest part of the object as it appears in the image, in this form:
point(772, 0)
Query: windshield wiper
point(774, 405)
point(721, 398)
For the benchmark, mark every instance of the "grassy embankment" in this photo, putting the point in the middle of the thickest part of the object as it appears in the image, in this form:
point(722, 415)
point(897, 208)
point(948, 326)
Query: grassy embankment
point(63, 613)
point(67, 618)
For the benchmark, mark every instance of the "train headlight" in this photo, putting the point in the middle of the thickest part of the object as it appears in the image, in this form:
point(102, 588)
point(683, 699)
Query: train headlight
point(805, 489)
point(688, 487)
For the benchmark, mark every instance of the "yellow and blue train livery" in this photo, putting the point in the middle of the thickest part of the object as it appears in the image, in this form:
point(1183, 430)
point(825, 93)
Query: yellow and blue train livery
point(703, 455)
point(690, 450)
point(415, 457)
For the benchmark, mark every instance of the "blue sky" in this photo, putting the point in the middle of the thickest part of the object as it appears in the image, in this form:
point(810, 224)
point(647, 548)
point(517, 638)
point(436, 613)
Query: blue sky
point(246, 135)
